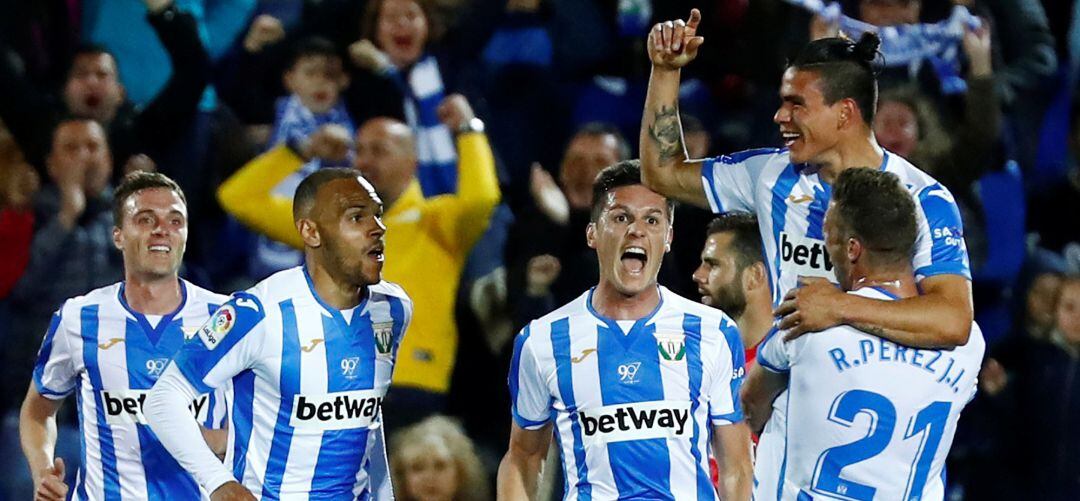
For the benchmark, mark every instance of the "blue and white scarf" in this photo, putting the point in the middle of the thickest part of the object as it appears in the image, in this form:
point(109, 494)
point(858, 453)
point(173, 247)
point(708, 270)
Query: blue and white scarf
point(294, 122)
point(910, 44)
point(436, 152)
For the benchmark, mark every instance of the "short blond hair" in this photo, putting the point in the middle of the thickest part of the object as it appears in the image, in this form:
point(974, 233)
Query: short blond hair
point(472, 479)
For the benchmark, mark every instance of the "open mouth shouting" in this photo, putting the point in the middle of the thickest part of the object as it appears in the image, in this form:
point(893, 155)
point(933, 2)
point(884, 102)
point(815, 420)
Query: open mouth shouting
point(376, 253)
point(634, 259)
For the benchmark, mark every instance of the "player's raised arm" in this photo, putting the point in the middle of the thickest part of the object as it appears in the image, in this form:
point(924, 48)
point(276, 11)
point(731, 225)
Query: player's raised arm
point(665, 167)
point(519, 471)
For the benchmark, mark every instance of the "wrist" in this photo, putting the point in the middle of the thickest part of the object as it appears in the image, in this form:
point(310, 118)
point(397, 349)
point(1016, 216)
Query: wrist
point(471, 125)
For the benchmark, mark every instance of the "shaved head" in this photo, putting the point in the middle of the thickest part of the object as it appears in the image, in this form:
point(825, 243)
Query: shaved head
point(304, 200)
point(386, 155)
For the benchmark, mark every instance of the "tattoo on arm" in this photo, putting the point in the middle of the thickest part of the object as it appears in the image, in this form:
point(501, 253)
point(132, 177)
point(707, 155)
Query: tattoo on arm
point(666, 134)
point(873, 330)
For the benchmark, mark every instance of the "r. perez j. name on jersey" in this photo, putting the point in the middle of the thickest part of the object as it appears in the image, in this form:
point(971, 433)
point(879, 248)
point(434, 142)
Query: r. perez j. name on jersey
point(790, 201)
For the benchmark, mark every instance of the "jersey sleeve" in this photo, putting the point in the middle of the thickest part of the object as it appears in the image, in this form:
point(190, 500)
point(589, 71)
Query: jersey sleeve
point(729, 179)
point(725, 406)
point(529, 396)
point(226, 345)
point(54, 375)
point(772, 354)
point(940, 247)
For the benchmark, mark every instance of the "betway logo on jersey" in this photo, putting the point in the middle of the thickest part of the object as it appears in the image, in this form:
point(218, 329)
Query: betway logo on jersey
point(126, 406)
point(806, 257)
point(636, 421)
point(343, 410)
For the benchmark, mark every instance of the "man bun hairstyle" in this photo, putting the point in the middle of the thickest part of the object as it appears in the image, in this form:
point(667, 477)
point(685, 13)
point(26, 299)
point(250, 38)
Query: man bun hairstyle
point(848, 69)
point(878, 211)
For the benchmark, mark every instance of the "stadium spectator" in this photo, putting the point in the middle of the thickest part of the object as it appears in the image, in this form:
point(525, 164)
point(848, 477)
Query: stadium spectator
point(424, 234)
point(72, 250)
point(92, 90)
point(18, 185)
point(434, 460)
point(315, 80)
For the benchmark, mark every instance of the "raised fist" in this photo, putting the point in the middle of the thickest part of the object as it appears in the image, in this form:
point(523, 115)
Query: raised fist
point(673, 44)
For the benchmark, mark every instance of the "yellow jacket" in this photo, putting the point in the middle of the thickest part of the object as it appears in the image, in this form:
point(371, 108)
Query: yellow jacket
point(427, 241)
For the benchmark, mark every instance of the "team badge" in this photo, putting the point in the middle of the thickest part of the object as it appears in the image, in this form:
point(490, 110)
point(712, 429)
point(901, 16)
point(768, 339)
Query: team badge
point(384, 337)
point(672, 347)
point(217, 327)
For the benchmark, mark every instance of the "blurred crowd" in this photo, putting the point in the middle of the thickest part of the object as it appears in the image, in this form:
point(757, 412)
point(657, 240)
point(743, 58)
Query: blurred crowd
point(481, 124)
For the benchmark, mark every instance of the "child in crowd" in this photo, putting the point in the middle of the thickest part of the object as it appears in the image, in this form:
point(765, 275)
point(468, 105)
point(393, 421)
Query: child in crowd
point(433, 460)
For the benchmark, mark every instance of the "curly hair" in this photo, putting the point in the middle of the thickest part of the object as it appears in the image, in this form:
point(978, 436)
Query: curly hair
point(418, 440)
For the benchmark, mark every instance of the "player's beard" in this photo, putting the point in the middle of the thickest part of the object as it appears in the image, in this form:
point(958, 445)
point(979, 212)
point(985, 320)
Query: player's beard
point(730, 299)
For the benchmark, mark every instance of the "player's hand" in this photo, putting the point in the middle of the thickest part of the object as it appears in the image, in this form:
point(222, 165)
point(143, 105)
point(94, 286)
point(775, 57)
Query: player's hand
point(365, 54)
point(51, 486)
point(264, 30)
point(331, 142)
point(811, 307)
point(547, 196)
point(977, 49)
point(231, 491)
point(673, 44)
point(540, 273)
point(454, 111)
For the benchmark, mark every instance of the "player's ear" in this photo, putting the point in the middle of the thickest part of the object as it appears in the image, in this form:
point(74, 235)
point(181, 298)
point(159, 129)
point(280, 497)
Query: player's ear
point(309, 233)
point(854, 250)
point(668, 238)
point(590, 235)
point(118, 238)
point(753, 276)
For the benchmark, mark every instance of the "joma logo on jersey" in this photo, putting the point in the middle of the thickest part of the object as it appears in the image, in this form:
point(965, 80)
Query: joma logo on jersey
point(126, 406)
point(384, 337)
point(808, 255)
point(672, 347)
point(336, 411)
point(155, 366)
point(636, 421)
point(348, 367)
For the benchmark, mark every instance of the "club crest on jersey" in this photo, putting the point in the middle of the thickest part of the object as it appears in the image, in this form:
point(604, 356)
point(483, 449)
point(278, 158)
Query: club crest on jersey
point(672, 347)
point(384, 337)
point(155, 366)
point(217, 327)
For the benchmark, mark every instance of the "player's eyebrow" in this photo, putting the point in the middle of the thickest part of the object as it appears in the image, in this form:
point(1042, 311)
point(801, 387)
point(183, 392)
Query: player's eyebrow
point(793, 99)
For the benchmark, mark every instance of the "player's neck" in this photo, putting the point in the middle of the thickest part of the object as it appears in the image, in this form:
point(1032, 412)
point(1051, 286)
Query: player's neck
point(900, 283)
point(334, 291)
point(855, 152)
point(756, 320)
point(610, 303)
point(152, 295)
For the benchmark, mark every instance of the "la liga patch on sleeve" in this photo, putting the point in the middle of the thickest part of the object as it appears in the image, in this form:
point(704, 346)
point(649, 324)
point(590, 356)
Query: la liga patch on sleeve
point(217, 327)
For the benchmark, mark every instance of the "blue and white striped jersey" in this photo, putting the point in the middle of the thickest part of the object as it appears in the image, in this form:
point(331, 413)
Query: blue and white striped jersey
point(790, 202)
point(873, 419)
point(308, 383)
point(633, 405)
point(110, 355)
